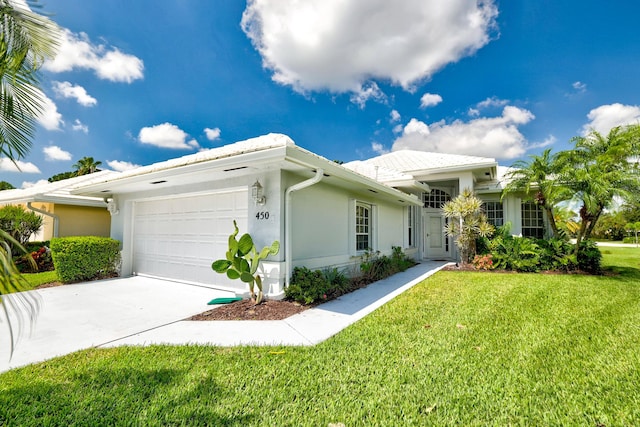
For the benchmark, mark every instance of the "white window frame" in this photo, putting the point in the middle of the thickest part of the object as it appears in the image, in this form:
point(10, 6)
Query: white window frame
point(363, 226)
point(531, 207)
point(488, 211)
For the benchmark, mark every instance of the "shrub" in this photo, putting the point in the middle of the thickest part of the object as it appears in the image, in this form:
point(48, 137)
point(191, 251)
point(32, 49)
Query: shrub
point(515, 253)
point(307, 286)
point(40, 256)
point(19, 223)
point(556, 254)
point(483, 262)
point(85, 258)
point(374, 267)
point(589, 257)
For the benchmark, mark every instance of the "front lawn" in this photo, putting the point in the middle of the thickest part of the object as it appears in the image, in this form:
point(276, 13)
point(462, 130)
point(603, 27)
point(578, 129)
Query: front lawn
point(41, 278)
point(458, 349)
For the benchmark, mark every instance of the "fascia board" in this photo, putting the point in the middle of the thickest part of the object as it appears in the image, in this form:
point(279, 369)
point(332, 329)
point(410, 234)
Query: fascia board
point(304, 157)
point(457, 168)
point(257, 158)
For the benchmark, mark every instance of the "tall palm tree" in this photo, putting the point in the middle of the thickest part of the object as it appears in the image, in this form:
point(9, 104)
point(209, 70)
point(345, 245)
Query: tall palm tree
point(599, 169)
point(26, 40)
point(538, 180)
point(86, 165)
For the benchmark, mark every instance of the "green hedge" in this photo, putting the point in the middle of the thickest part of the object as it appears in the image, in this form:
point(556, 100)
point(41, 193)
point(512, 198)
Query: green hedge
point(85, 257)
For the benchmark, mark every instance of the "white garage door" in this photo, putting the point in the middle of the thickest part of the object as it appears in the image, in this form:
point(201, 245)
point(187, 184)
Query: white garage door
point(179, 238)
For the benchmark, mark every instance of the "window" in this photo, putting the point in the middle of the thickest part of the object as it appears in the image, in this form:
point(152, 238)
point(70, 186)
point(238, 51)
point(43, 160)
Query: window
point(532, 220)
point(363, 227)
point(494, 213)
point(411, 227)
point(435, 198)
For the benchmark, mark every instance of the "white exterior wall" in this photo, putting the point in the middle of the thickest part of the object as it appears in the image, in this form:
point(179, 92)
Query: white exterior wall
point(322, 231)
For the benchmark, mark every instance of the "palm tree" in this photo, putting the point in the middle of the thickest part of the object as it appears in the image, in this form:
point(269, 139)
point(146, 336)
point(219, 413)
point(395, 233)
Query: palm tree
point(467, 222)
point(86, 165)
point(600, 169)
point(26, 40)
point(538, 180)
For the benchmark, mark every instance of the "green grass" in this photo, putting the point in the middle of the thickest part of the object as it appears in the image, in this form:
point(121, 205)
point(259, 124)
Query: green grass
point(458, 349)
point(37, 279)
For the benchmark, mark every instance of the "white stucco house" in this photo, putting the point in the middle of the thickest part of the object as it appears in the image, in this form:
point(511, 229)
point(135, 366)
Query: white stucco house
point(174, 217)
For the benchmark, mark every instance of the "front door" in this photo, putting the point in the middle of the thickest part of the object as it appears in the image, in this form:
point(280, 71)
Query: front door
point(436, 243)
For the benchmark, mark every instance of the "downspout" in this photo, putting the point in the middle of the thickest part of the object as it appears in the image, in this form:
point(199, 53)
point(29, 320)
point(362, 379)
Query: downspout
point(56, 219)
point(287, 218)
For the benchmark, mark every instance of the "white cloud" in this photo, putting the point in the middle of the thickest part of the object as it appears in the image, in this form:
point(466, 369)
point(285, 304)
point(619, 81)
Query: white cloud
point(379, 148)
point(49, 117)
point(77, 51)
point(429, 100)
point(79, 126)
point(487, 136)
point(340, 46)
point(579, 87)
point(29, 184)
point(369, 91)
point(67, 90)
point(7, 165)
point(394, 116)
point(605, 117)
point(54, 153)
point(121, 166)
point(166, 135)
point(212, 134)
point(492, 102)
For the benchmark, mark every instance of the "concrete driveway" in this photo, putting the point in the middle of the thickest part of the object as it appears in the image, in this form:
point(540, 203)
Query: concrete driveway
point(90, 314)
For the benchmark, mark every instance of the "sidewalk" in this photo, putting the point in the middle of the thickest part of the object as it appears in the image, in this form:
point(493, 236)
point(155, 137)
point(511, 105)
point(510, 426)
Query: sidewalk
point(307, 328)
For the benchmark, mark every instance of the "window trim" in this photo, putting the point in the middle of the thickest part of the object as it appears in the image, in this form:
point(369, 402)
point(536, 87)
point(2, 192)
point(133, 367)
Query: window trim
point(531, 207)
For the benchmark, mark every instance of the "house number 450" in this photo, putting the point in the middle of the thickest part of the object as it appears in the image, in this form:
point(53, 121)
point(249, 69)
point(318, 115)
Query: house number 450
point(262, 216)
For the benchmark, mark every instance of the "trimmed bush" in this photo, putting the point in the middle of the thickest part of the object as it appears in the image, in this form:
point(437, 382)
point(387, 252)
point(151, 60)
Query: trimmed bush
point(85, 257)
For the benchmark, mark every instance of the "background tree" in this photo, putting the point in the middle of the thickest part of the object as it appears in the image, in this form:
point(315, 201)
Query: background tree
point(26, 40)
point(466, 223)
point(537, 179)
point(61, 176)
point(600, 169)
point(4, 185)
point(86, 165)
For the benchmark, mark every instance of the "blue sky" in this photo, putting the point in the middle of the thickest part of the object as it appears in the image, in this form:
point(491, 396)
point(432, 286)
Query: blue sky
point(138, 82)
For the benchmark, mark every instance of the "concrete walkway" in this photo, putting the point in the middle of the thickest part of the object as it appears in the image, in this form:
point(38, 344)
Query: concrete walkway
point(144, 311)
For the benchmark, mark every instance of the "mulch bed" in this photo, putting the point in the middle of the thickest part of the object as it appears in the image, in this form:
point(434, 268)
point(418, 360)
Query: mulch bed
point(247, 310)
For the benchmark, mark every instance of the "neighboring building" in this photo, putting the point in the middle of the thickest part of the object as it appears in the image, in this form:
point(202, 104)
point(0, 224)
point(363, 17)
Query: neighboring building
point(174, 217)
point(63, 214)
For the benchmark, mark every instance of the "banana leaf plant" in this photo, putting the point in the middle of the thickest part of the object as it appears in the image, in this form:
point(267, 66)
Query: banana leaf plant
point(242, 262)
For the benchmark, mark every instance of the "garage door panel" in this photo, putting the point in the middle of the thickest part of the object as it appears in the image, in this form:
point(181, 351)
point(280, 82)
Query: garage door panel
point(179, 238)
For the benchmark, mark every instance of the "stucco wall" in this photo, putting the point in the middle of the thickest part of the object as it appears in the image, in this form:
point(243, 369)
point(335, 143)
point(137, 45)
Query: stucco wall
point(82, 221)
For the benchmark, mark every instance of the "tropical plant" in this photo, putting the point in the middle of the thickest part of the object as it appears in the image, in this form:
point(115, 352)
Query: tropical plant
point(466, 223)
point(19, 223)
point(242, 261)
point(86, 165)
point(26, 40)
point(600, 169)
point(515, 253)
point(537, 179)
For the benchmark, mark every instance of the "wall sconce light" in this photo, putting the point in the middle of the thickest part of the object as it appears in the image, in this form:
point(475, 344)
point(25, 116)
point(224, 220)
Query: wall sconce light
point(112, 206)
point(257, 193)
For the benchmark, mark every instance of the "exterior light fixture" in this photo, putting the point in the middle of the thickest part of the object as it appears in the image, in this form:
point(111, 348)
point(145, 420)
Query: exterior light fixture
point(257, 193)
